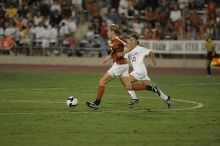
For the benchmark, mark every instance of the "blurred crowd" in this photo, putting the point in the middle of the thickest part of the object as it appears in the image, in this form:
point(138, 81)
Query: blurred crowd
point(49, 23)
point(163, 19)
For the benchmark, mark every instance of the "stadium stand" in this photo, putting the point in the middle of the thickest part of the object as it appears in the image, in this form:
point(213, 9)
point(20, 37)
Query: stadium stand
point(74, 27)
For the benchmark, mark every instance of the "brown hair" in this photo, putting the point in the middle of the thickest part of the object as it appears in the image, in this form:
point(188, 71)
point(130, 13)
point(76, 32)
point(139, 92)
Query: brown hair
point(134, 35)
point(116, 29)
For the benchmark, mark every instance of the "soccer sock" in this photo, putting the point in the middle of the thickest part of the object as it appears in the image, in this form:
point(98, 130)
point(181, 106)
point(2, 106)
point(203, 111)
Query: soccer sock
point(132, 94)
point(163, 96)
point(137, 87)
point(99, 94)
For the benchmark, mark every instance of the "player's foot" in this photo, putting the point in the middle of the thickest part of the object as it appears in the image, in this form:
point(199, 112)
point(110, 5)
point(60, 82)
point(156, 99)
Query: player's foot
point(155, 89)
point(168, 102)
point(92, 105)
point(133, 101)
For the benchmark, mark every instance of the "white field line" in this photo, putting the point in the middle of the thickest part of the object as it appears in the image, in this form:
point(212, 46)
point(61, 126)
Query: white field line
point(195, 104)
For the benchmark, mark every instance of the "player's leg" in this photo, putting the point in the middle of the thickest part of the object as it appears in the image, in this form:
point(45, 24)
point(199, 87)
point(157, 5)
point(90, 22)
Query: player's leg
point(127, 84)
point(100, 91)
point(134, 98)
point(153, 87)
point(146, 85)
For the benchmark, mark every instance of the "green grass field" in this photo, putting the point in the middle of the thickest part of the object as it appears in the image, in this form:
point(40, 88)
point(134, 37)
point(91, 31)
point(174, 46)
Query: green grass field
point(33, 112)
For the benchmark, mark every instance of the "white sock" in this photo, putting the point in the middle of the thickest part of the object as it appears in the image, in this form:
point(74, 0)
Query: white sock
point(132, 94)
point(162, 95)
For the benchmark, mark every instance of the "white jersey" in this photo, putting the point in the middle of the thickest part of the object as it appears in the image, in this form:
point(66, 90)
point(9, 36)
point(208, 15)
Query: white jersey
point(136, 58)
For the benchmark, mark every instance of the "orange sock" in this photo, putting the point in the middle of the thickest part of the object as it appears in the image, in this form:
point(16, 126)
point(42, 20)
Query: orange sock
point(137, 87)
point(100, 92)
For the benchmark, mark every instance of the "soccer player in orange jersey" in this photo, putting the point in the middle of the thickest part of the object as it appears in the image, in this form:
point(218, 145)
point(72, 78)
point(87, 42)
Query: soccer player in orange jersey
point(119, 68)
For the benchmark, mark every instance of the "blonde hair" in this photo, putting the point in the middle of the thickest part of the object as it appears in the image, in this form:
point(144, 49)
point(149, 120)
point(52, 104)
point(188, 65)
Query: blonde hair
point(115, 28)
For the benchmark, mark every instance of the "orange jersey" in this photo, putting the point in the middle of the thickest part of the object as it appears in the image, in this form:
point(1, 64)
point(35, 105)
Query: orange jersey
point(117, 46)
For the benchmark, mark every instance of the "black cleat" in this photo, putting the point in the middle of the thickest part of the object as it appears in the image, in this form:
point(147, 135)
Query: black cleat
point(92, 105)
point(168, 102)
point(133, 101)
point(155, 89)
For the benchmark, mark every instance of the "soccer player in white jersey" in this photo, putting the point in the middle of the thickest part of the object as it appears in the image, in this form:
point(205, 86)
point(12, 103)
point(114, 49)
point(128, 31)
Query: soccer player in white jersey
point(136, 57)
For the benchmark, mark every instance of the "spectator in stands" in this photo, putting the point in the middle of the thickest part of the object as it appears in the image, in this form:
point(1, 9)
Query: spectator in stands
point(113, 16)
point(45, 40)
point(10, 29)
point(55, 6)
point(53, 37)
point(180, 26)
point(183, 4)
point(55, 18)
point(64, 30)
point(175, 14)
point(38, 32)
point(25, 41)
point(103, 40)
point(199, 4)
point(148, 34)
point(72, 24)
point(212, 8)
point(191, 33)
point(6, 43)
point(11, 11)
point(73, 44)
point(20, 22)
point(140, 6)
point(38, 18)
point(123, 7)
point(202, 33)
point(196, 19)
point(90, 34)
point(162, 17)
point(211, 20)
point(137, 26)
point(151, 16)
point(169, 31)
point(97, 25)
point(94, 8)
point(66, 9)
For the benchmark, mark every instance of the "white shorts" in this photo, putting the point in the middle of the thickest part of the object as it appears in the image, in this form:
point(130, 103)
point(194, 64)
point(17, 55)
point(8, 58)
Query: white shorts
point(119, 70)
point(140, 76)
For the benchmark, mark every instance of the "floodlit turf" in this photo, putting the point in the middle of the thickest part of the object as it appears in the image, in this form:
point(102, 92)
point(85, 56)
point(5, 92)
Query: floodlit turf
point(33, 112)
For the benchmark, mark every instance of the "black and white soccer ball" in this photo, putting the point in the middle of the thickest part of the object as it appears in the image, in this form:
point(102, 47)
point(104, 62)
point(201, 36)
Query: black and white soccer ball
point(72, 101)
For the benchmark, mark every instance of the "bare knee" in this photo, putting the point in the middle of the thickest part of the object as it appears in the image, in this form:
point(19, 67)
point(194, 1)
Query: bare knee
point(102, 82)
point(128, 87)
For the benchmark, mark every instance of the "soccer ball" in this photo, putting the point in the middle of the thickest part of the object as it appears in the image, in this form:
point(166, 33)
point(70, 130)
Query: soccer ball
point(71, 101)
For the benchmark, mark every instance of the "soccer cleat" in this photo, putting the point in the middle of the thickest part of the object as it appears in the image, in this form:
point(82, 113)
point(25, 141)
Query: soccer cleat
point(155, 89)
point(92, 105)
point(133, 101)
point(168, 102)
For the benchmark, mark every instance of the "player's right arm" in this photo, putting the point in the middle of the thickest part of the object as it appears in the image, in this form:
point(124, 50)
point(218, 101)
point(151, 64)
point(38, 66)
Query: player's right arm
point(109, 57)
point(153, 58)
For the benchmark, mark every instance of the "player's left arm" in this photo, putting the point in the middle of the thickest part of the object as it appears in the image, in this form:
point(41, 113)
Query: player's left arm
point(153, 58)
point(128, 47)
